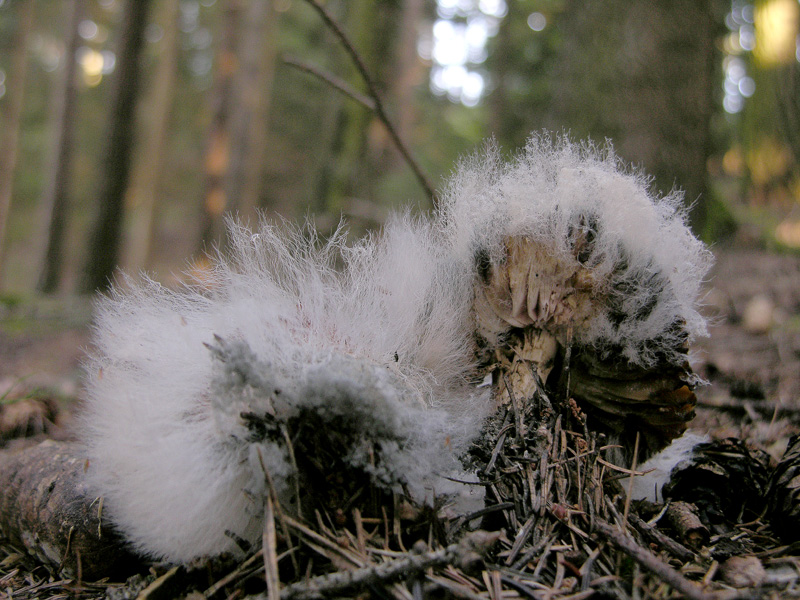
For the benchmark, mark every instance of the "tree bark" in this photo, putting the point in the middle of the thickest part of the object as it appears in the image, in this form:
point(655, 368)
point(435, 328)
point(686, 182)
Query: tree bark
point(409, 71)
point(149, 169)
point(646, 81)
point(217, 156)
point(46, 508)
point(104, 245)
point(11, 124)
point(355, 163)
point(258, 53)
point(54, 202)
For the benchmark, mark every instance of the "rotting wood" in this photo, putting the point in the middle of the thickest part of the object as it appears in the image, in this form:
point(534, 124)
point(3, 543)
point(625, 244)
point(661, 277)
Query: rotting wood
point(683, 517)
point(46, 509)
point(665, 541)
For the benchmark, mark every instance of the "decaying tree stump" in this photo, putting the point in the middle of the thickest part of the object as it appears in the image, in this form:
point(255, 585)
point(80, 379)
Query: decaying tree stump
point(46, 509)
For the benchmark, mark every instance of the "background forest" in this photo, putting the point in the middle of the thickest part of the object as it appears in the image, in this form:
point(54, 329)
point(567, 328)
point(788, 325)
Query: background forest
point(131, 127)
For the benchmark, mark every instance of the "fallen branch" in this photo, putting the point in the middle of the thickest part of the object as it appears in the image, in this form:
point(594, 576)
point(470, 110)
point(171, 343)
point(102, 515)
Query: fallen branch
point(652, 563)
point(656, 536)
point(684, 519)
point(46, 509)
point(462, 555)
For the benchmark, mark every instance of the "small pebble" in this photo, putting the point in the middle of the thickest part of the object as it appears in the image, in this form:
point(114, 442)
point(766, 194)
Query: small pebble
point(758, 314)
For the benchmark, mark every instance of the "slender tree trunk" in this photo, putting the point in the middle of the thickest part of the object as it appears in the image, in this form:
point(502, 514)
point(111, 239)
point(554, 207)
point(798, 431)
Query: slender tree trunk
point(149, 168)
point(787, 101)
point(11, 124)
point(667, 99)
point(408, 73)
point(351, 144)
point(54, 202)
point(259, 53)
point(217, 156)
point(104, 245)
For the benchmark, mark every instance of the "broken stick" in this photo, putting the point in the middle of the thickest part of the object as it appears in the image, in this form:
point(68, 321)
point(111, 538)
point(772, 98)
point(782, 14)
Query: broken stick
point(650, 562)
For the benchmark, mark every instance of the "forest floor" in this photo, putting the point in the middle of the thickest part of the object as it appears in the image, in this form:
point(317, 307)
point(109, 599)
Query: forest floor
point(752, 355)
point(751, 361)
point(751, 358)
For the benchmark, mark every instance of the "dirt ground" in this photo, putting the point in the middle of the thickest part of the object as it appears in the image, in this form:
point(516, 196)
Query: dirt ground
point(752, 355)
point(42, 345)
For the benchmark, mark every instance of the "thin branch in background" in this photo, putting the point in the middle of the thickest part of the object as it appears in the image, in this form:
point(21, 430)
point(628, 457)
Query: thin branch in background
point(331, 80)
point(372, 90)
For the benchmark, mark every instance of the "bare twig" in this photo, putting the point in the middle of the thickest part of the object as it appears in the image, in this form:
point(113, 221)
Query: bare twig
point(373, 574)
point(650, 562)
point(331, 80)
point(488, 510)
point(271, 552)
point(519, 540)
point(655, 535)
point(242, 569)
point(629, 495)
point(517, 412)
point(535, 549)
point(323, 542)
point(290, 449)
point(372, 90)
point(457, 590)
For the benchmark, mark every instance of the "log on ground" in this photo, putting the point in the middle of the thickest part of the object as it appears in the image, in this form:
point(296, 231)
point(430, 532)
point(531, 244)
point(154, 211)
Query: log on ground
point(46, 508)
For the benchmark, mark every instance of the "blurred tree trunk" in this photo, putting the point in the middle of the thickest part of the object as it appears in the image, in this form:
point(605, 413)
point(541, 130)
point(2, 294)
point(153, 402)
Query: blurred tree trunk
point(13, 116)
point(360, 140)
point(349, 143)
point(104, 245)
point(408, 72)
point(769, 124)
point(253, 84)
point(509, 121)
point(788, 103)
point(149, 168)
point(217, 154)
point(54, 202)
point(647, 81)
